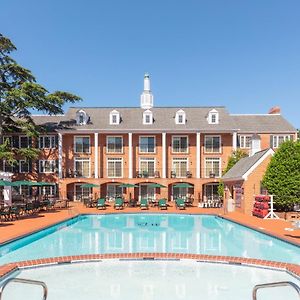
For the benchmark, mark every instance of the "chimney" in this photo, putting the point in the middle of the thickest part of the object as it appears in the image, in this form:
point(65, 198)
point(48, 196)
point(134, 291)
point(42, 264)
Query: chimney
point(275, 110)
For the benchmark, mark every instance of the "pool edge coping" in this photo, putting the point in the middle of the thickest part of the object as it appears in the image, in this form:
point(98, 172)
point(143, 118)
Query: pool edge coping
point(292, 269)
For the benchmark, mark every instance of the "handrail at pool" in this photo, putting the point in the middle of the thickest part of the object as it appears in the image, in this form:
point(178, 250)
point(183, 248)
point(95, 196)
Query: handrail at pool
point(26, 281)
point(274, 284)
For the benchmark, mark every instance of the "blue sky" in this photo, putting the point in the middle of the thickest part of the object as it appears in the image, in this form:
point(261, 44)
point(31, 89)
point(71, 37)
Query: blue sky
point(242, 54)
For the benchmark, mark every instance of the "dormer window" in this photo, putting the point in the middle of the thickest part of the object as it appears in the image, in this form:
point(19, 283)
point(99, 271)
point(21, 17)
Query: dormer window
point(147, 117)
point(213, 117)
point(180, 117)
point(114, 117)
point(81, 117)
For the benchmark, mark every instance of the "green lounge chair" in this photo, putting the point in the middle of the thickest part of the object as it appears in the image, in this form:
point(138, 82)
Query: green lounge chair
point(119, 203)
point(101, 203)
point(180, 204)
point(162, 204)
point(144, 204)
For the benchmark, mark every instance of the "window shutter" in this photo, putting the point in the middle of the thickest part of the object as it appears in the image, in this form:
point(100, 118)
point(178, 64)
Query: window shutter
point(30, 166)
point(56, 166)
point(56, 141)
point(30, 142)
point(16, 167)
point(37, 166)
point(238, 144)
point(271, 141)
point(15, 141)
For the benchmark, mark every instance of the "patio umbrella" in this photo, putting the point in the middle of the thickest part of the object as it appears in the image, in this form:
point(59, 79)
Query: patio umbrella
point(41, 183)
point(156, 185)
point(183, 185)
point(23, 183)
point(89, 185)
point(127, 185)
point(5, 183)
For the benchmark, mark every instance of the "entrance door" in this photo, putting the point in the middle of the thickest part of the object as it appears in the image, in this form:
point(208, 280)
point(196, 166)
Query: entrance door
point(147, 192)
point(82, 192)
point(211, 191)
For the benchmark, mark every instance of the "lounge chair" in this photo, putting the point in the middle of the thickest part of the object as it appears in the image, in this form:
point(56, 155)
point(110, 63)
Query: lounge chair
point(101, 203)
point(162, 204)
point(119, 203)
point(180, 203)
point(144, 204)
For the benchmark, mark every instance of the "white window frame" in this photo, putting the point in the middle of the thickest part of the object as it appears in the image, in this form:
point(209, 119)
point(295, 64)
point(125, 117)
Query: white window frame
point(83, 114)
point(75, 194)
point(242, 141)
point(220, 143)
point(180, 159)
point(147, 136)
point(114, 136)
point(51, 187)
point(52, 141)
point(275, 138)
point(82, 136)
point(117, 159)
point(213, 159)
point(113, 114)
point(214, 113)
point(24, 136)
point(76, 159)
point(115, 185)
point(147, 113)
point(180, 113)
point(187, 143)
point(42, 165)
point(20, 166)
point(148, 159)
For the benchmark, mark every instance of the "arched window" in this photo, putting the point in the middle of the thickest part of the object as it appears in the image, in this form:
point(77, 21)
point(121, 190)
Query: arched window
point(81, 117)
point(147, 117)
point(180, 117)
point(213, 117)
point(114, 117)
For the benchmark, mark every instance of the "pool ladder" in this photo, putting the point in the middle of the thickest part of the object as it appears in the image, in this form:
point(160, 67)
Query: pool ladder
point(25, 281)
point(274, 284)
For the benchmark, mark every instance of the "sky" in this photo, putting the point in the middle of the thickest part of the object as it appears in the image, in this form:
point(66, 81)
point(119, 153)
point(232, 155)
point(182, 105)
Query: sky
point(242, 54)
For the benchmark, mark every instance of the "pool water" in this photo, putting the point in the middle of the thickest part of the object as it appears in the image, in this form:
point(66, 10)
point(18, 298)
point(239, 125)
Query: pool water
point(155, 280)
point(128, 233)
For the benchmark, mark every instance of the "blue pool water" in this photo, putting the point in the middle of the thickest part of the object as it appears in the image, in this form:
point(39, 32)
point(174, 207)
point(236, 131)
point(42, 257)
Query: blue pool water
point(124, 233)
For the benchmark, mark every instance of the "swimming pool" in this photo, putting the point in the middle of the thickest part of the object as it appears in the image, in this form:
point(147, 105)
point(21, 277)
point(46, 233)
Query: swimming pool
point(164, 233)
point(167, 280)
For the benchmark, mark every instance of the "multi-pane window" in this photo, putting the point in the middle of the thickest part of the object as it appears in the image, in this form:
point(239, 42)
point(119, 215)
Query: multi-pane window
point(147, 166)
point(47, 190)
point(147, 144)
point(211, 191)
point(245, 141)
point(279, 139)
point(180, 167)
point(47, 166)
point(8, 167)
point(180, 192)
point(179, 144)
point(82, 192)
point(212, 144)
point(8, 140)
point(212, 167)
point(114, 144)
point(114, 167)
point(114, 191)
point(82, 167)
point(23, 166)
point(24, 141)
point(47, 141)
point(82, 144)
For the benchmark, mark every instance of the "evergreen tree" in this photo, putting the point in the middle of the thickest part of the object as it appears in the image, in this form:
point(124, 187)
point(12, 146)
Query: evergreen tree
point(19, 96)
point(282, 177)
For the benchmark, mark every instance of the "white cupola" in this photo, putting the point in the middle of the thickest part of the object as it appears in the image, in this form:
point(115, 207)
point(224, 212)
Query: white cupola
point(146, 97)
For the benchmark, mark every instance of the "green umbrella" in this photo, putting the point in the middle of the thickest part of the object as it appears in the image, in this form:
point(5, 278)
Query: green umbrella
point(183, 185)
point(156, 185)
point(89, 185)
point(5, 183)
point(127, 185)
point(41, 183)
point(22, 182)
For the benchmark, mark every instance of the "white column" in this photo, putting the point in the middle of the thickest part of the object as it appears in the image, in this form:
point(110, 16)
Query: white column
point(96, 135)
point(130, 155)
point(164, 156)
point(60, 144)
point(198, 150)
point(234, 140)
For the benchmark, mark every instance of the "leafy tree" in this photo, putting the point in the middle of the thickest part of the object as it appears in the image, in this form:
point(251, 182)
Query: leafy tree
point(233, 159)
point(282, 177)
point(20, 94)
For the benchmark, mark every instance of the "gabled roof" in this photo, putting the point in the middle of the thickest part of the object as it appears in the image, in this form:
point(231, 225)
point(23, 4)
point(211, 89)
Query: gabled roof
point(266, 123)
point(244, 167)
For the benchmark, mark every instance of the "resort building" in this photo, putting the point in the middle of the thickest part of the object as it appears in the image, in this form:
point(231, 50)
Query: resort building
point(183, 150)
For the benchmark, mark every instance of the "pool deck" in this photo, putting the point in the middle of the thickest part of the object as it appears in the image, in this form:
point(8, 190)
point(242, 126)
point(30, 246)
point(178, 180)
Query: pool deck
point(13, 229)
